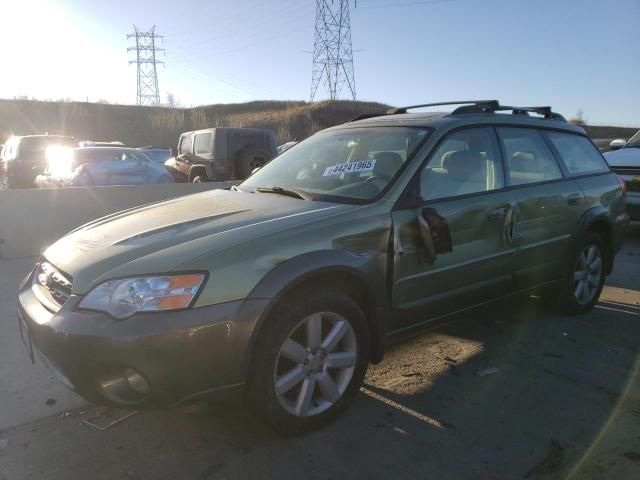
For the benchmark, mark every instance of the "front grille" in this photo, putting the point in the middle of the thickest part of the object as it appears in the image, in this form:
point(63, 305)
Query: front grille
point(633, 186)
point(633, 183)
point(626, 170)
point(53, 284)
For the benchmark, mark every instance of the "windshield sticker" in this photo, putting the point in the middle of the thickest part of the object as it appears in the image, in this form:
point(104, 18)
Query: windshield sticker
point(364, 166)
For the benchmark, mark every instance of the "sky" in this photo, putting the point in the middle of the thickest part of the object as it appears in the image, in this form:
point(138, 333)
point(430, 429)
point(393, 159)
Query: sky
point(571, 54)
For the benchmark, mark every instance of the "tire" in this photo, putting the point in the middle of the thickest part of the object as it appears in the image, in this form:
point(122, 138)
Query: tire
point(199, 179)
point(248, 160)
point(586, 270)
point(279, 378)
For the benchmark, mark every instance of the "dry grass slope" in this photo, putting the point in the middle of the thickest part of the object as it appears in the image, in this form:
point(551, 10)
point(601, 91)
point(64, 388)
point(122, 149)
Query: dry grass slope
point(159, 126)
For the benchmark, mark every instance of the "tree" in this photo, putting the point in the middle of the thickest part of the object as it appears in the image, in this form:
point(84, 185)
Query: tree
point(172, 101)
point(579, 119)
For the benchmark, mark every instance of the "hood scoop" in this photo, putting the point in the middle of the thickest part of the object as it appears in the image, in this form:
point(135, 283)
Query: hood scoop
point(157, 234)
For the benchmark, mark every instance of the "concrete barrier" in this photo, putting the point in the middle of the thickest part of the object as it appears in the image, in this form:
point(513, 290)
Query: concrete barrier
point(30, 220)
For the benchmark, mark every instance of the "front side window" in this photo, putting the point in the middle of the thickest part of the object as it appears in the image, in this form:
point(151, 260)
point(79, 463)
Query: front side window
point(353, 163)
point(528, 158)
point(466, 161)
point(202, 143)
point(577, 153)
point(185, 146)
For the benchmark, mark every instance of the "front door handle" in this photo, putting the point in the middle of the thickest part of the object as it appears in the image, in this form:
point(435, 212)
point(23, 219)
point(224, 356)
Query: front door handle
point(427, 239)
point(574, 198)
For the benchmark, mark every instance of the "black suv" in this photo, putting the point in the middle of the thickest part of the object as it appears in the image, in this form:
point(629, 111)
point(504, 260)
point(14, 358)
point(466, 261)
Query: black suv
point(218, 154)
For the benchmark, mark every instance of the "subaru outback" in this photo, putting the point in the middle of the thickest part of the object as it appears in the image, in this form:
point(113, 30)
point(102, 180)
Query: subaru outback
point(286, 287)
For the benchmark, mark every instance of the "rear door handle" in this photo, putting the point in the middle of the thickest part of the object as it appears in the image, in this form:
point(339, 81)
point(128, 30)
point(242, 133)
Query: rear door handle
point(574, 198)
point(497, 214)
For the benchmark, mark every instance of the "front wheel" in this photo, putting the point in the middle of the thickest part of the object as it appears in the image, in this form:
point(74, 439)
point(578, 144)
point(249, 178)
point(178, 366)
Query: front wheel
point(311, 362)
point(585, 276)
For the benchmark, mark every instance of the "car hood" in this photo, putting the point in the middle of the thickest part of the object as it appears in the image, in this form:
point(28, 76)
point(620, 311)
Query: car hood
point(159, 237)
point(625, 157)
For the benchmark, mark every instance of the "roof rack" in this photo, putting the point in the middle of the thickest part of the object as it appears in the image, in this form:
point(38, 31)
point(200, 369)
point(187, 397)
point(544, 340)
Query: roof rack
point(490, 107)
point(394, 111)
point(472, 106)
point(364, 116)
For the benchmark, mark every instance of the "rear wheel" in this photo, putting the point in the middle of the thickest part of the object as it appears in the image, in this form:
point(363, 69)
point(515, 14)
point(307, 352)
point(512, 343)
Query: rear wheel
point(311, 362)
point(585, 276)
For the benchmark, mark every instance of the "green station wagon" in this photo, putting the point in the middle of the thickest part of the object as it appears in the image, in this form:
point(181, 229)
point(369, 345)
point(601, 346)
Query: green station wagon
point(286, 287)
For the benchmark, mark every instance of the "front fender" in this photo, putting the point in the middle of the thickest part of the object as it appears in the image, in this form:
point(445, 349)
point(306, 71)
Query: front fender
point(367, 269)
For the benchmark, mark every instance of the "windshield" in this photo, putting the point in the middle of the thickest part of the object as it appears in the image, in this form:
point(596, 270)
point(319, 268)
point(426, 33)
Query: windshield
point(634, 142)
point(349, 164)
point(159, 155)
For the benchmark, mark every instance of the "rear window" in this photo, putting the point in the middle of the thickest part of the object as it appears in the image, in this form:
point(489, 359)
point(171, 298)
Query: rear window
point(528, 157)
point(577, 153)
point(40, 144)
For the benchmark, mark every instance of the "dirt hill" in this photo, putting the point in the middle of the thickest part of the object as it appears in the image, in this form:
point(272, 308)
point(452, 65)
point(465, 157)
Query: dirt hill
point(138, 126)
point(159, 126)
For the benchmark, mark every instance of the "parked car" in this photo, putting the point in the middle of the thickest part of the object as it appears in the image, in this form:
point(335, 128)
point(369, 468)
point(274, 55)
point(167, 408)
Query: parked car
point(100, 166)
point(23, 158)
point(624, 159)
point(218, 154)
point(156, 154)
point(287, 286)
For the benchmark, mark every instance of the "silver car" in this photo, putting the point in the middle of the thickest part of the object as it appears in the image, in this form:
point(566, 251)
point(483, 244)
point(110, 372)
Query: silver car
point(625, 162)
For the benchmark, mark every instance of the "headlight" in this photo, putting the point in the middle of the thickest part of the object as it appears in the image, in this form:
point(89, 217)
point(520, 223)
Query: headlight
point(122, 298)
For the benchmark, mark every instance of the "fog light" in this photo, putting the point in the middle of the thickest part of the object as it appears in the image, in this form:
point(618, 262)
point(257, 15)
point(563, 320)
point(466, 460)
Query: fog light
point(126, 387)
point(136, 381)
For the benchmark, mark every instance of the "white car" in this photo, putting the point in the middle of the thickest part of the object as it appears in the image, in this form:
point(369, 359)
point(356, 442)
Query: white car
point(624, 159)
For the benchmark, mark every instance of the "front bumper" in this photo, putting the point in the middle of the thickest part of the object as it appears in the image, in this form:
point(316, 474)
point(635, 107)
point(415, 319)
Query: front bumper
point(180, 355)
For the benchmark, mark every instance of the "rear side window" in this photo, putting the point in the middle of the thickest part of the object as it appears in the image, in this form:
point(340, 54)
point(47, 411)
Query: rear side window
point(577, 153)
point(202, 143)
point(186, 145)
point(528, 158)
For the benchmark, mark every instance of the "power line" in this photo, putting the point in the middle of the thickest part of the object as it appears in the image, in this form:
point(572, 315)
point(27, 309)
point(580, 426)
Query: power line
point(332, 51)
point(147, 78)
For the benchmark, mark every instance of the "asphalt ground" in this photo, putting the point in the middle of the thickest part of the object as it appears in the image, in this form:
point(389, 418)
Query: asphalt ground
point(514, 390)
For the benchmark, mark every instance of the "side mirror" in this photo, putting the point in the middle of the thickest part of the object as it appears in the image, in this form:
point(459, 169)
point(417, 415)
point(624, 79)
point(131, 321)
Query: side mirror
point(255, 170)
point(617, 144)
point(435, 233)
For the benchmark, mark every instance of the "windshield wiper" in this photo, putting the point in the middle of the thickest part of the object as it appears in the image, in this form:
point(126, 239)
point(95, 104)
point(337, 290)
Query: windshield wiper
point(289, 192)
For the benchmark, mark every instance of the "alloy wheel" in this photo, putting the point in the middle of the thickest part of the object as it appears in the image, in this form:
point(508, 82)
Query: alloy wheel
point(587, 275)
point(315, 364)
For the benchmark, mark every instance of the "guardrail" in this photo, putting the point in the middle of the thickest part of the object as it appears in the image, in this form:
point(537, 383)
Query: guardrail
point(30, 220)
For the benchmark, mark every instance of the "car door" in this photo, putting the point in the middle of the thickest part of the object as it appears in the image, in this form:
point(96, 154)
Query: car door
point(452, 248)
point(547, 205)
point(185, 154)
